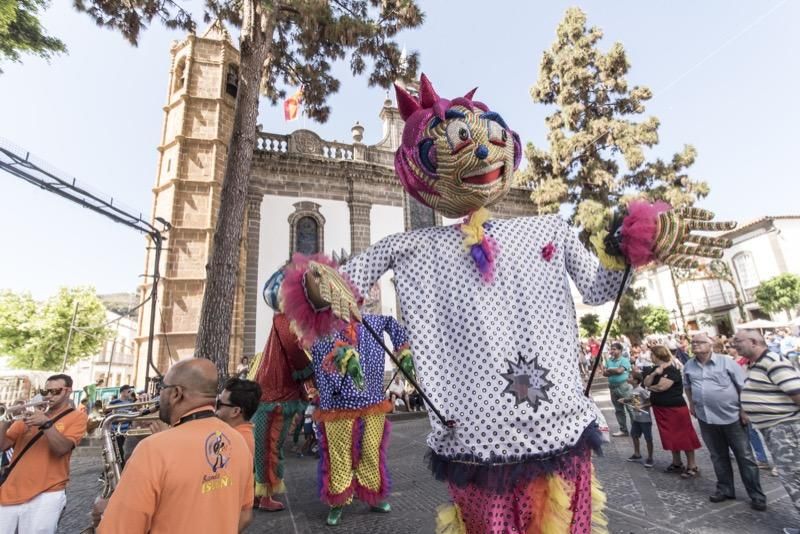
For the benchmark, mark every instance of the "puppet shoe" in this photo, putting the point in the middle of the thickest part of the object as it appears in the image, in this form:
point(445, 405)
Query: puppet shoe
point(381, 507)
point(334, 516)
point(270, 505)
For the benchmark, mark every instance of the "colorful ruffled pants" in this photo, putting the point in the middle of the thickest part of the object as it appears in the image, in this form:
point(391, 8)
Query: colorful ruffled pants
point(272, 422)
point(353, 459)
point(566, 501)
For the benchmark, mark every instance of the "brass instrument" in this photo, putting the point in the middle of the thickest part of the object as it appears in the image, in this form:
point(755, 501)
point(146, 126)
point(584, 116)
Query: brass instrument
point(115, 407)
point(18, 411)
point(112, 455)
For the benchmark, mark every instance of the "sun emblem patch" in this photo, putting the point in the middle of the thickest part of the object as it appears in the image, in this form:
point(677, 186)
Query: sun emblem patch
point(527, 382)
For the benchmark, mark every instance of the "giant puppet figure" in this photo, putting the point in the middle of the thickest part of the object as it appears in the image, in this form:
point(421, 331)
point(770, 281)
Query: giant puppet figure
point(491, 319)
point(281, 371)
point(351, 418)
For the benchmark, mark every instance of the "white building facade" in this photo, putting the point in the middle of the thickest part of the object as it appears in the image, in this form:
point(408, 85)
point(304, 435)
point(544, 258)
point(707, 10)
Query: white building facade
point(762, 249)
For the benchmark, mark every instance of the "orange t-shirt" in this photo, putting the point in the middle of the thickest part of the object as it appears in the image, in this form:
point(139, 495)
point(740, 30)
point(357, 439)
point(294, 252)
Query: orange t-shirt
point(195, 477)
point(246, 430)
point(40, 470)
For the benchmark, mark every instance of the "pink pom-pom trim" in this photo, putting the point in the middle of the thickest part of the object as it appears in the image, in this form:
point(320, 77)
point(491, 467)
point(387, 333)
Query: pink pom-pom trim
point(309, 324)
point(639, 231)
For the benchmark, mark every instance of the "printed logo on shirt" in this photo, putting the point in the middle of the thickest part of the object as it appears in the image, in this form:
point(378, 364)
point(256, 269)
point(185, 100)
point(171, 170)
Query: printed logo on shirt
point(60, 427)
point(214, 482)
point(218, 450)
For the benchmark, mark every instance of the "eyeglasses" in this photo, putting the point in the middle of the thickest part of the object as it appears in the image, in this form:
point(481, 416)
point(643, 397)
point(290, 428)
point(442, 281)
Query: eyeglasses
point(219, 403)
point(164, 386)
point(54, 392)
point(700, 342)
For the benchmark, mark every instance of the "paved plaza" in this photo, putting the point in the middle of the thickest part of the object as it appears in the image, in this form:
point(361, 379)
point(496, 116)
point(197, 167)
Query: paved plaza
point(639, 500)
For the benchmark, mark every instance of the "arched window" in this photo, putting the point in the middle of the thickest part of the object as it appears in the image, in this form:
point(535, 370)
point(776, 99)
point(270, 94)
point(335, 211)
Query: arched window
point(306, 236)
point(746, 272)
point(180, 75)
point(306, 229)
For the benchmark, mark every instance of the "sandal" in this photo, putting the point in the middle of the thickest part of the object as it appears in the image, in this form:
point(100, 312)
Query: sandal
point(691, 472)
point(674, 468)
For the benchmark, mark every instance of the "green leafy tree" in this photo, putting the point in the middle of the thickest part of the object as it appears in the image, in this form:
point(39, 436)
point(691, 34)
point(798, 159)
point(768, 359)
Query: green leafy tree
point(781, 293)
point(17, 312)
point(629, 319)
point(614, 332)
point(35, 335)
point(590, 323)
point(655, 319)
point(281, 43)
point(22, 33)
point(596, 158)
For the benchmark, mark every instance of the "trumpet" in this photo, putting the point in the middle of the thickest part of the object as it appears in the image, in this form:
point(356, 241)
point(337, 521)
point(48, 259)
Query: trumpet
point(137, 405)
point(18, 411)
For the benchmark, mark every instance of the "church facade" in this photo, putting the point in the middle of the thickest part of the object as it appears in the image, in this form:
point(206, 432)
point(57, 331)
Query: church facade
point(306, 195)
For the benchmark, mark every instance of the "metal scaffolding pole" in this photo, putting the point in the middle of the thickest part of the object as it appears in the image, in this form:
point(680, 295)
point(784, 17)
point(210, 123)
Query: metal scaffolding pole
point(23, 165)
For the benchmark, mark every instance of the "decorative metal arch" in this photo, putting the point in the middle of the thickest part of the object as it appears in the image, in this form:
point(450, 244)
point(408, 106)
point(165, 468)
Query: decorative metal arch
point(714, 270)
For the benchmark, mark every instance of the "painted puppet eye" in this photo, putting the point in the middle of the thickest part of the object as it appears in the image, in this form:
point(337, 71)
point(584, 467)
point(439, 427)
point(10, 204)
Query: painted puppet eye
point(497, 134)
point(458, 135)
point(427, 155)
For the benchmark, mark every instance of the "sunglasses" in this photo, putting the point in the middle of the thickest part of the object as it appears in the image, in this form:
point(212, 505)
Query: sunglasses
point(219, 403)
point(54, 392)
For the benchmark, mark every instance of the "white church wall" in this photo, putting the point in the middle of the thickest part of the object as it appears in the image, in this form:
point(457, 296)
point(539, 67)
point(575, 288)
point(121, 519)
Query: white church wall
point(787, 238)
point(273, 247)
point(385, 221)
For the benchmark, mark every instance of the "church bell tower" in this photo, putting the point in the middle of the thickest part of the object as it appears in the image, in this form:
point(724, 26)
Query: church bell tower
point(197, 124)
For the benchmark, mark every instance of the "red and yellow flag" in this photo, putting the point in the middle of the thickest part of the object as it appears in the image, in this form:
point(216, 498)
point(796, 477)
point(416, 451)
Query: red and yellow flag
point(291, 106)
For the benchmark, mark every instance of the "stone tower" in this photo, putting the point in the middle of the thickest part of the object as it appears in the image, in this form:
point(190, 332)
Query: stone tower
point(198, 118)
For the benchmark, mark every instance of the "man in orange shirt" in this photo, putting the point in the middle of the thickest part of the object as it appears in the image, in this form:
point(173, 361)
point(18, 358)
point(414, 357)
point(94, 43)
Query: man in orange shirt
point(33, 496)
point(194, 477)
point(237, 404)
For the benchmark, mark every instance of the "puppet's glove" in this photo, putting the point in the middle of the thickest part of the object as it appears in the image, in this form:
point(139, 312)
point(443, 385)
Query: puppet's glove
point(325, 287)
point(407, 363)
point(656, 232)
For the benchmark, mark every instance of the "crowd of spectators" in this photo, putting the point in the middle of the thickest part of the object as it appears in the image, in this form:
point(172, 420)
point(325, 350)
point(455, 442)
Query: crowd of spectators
point(743, 392)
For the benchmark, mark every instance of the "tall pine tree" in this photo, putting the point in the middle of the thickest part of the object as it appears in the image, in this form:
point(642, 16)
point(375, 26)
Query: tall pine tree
point(597, 139)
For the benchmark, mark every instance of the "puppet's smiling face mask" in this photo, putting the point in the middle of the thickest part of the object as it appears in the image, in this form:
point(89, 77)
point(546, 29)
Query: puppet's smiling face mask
point(457, 156)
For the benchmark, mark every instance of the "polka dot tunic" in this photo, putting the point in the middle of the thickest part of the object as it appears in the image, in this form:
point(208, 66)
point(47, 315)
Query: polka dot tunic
point(339, 393)
point(499, 358)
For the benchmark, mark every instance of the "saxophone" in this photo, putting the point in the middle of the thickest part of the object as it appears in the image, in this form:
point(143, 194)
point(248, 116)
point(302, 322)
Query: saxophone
point(112, 455)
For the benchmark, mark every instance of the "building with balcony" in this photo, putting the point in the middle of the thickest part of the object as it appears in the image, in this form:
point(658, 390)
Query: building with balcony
point(718, 301)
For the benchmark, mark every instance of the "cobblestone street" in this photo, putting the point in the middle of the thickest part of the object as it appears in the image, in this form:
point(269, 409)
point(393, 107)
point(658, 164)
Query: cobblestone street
point(639, 500)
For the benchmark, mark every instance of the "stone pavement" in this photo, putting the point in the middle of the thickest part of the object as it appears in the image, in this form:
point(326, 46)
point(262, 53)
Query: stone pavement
point(639, 500)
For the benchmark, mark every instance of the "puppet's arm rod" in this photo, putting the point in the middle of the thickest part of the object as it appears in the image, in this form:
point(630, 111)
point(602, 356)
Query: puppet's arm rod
point(448, 423)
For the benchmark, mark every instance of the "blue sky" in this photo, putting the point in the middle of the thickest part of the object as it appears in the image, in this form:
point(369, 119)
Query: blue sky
point(724, 74)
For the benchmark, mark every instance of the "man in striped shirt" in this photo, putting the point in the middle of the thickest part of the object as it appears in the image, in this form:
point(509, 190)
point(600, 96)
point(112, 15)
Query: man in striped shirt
point(771, 399)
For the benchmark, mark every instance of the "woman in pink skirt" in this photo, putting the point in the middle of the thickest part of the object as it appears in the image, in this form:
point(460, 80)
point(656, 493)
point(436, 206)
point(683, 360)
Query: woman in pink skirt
point(672, 415)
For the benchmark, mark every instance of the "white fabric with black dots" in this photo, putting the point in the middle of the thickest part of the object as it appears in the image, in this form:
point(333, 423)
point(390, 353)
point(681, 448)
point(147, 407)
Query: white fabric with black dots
point(465, 333)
